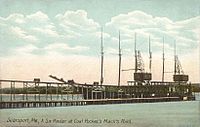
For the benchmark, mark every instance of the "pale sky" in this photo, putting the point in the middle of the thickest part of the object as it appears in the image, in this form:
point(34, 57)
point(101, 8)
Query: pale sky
point(62, 37)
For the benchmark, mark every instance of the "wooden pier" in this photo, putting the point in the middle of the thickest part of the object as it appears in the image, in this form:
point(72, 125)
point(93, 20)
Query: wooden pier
point(91, 94)
point(56, 103)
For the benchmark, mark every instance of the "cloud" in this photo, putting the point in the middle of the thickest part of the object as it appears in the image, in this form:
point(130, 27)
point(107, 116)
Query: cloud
point(73, 27)
point(184, 32)
point(25, 50)
point(22, 34)
point(111, 51)
point(75, 30)
point(134, 20)
point(16, 18)
point(38, 16)
point(105, 35)
point(77, 19)
point(65, 47)
point(46, 31)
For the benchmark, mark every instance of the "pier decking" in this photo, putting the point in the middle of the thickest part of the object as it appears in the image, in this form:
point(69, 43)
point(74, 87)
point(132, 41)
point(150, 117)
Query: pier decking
point(50, 94)
point(57, 103)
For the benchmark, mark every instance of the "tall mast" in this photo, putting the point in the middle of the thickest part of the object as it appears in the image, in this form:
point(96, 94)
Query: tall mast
point(119, 76)
point(175, 59)
point(163, 69)
point(102, 57)
point(135, 48)
point(150, 55)
point(199, 48)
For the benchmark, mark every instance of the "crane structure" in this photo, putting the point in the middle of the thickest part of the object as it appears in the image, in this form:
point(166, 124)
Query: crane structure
point(139, 62)
point(179, 75)
point(178, 68)
point(140, 75)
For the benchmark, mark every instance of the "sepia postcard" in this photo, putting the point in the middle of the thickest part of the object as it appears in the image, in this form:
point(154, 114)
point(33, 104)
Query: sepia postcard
point(99, 63)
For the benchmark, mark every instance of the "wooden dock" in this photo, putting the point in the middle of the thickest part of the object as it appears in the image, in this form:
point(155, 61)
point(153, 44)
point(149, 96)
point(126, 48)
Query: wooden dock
point(59, 103)
point(91, 94)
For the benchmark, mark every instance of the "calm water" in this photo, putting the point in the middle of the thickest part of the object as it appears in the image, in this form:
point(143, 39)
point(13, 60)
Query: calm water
point(167, 114)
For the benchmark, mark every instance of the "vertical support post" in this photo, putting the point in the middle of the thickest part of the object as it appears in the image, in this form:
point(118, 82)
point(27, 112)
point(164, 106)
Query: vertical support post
point(39, 93)
point(26, 85)
point(67, 93)
point(14, 90)
point(92, 94)
point(126, 94)
point(67, 96)
point(61, 91)
point(1, 92)
point(11, 87)
point(72, 94)
point(77, 95)
point(50, 91)
point(95, 93)
point(35, 93)
point(82, 92)
point(87, 93)
point(23, 98)
point(118, 93)
point(47, 91)
point(131, 93)
point(57, 88)
point(104, 96)
point(121, 93)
